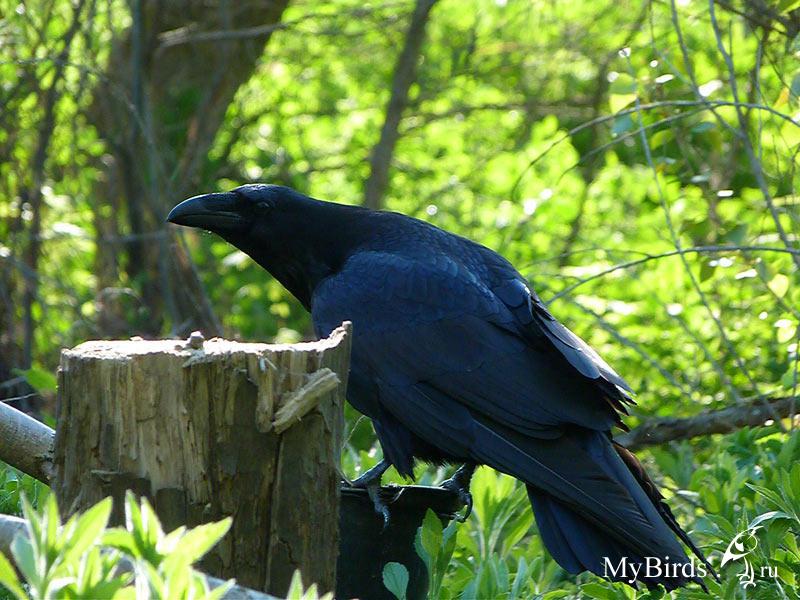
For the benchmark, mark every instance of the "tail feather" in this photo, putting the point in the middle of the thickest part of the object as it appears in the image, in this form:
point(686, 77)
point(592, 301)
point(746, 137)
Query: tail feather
point(650, 488)
point(593, 511)
point(578, 545)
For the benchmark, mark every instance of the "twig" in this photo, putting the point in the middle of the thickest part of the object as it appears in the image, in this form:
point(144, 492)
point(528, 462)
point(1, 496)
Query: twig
point(705, 103)
point(661, 430)
point(692, 279)
point(755, 165)
point(635, 347)
point(649, 257)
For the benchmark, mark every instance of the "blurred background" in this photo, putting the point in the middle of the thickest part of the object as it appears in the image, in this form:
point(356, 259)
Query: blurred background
point(635, 160)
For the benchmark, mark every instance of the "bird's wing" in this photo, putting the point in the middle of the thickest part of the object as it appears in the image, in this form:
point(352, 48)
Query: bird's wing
point(536, 321)
point(433, 321)
point(440, 346)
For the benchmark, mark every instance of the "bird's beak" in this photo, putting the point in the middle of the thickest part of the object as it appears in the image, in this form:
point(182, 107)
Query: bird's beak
point(215, 212)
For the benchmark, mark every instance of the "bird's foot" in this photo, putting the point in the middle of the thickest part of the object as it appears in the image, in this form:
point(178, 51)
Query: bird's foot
point(374, 492)
point(459, 483)
point(371, 481)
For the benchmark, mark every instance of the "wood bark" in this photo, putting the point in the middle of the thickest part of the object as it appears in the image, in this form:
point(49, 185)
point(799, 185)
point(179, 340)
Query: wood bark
point(211, 429)
point(656, 431)
point(26, 443)
point(158, 133)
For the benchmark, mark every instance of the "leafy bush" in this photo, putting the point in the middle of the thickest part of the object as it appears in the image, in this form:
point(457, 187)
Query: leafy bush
point(84, 558)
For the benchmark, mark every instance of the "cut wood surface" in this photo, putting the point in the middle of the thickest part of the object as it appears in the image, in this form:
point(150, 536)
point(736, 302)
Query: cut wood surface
point(207, 429)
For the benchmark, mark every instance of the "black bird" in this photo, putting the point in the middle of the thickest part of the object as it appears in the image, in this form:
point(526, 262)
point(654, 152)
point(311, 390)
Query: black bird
point(456, 360)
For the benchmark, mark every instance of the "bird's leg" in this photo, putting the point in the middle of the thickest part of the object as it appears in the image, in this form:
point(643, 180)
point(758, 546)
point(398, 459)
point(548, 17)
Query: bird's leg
point(459, 483)
point(371, 481)
point(372, 475)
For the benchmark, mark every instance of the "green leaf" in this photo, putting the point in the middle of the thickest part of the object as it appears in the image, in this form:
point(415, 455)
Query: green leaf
point(787, 6)
point(395, 578)
point(218, 592)
point(616, 102)
point(143, 523)
point(659, 138)
point(779, 285)
point(704, 126)
point(520, 579)
point(598, 591)
point(25, 559)
point(9, 579)
point(39, 379)
point(769, 516)
point(196, 542)
point(121, 539)
point(52, 521)
point(737, 235)
point(88, 529)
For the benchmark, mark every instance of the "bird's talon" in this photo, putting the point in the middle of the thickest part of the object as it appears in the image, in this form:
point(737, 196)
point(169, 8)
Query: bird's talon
point(459, 483)
point(374, 492)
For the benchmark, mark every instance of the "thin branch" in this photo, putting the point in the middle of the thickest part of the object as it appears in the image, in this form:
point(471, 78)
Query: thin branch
point(649, 257)
point(190, 35)
point(755, 165)
point(705, 103)
point(625, 341)
point(661, 430)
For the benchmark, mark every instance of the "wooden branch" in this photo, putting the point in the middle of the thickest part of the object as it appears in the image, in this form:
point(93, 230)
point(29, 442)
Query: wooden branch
point(26, 444)
point(11, 526)
point(661, 430)
point(405, 73)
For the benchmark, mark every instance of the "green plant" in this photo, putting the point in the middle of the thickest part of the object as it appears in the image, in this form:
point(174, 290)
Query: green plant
point(83, 558)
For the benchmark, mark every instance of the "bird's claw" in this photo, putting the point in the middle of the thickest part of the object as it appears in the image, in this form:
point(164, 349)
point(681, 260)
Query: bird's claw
point(459, 483)
point(465, 497)
point(371, 481)
point(374, 492)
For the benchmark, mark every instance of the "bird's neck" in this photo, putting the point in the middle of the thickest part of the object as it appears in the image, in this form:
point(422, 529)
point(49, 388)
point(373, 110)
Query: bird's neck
point(312, 248)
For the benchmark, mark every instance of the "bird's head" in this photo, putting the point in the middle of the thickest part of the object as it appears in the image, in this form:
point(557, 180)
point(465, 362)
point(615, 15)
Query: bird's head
point(294, 237)
point(248, 210)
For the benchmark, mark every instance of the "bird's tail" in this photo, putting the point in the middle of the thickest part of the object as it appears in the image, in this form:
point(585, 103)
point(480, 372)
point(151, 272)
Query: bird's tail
point(578, 545)
point(595, 507)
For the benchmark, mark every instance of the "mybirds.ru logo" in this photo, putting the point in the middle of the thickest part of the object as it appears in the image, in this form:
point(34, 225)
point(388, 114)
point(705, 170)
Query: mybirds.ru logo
point(739, 549)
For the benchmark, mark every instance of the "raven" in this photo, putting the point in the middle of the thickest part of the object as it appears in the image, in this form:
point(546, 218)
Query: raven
point(456, 360)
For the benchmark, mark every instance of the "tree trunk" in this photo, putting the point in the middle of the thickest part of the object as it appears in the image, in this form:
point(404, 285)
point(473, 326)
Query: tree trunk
point(405, 73)
point(176, 90)
point(210, 429)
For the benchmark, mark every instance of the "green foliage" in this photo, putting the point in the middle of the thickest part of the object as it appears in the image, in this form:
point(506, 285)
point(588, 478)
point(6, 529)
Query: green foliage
point(84, 558)
point(395, 578)
point(527, 130)
point(296, 591)
point(750, 478)
point(14, 486)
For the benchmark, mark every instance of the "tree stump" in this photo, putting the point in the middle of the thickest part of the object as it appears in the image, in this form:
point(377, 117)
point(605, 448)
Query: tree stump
point(207, 429)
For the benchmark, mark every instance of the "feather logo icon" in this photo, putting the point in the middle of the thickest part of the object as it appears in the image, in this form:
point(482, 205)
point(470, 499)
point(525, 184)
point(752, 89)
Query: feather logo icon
point(742, 545)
